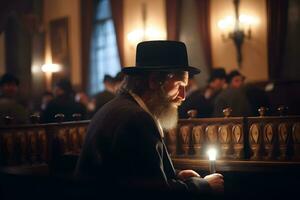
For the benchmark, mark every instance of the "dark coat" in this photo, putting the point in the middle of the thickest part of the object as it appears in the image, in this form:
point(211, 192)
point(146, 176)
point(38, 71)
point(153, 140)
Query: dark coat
point(123, 144)
point(196, 101)
point(102, 98)
point(64, 105)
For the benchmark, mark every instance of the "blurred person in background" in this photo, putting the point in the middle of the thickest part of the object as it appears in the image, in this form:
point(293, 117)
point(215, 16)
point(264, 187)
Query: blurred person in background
point(9, 105)
point(201, 100)
point(83, 98)
point(46, 98)
point(107, 94)
point(63, 103)
point(235, 79)
point(234, 97)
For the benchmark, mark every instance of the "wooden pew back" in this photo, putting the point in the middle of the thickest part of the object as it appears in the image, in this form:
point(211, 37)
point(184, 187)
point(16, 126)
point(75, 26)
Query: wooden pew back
point(40, 144)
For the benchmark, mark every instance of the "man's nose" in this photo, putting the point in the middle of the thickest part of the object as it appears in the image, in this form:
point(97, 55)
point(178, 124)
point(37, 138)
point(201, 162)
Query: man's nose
point(181, 93)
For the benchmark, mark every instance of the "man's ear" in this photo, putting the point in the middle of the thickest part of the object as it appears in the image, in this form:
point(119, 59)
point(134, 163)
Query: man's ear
point(153, 82)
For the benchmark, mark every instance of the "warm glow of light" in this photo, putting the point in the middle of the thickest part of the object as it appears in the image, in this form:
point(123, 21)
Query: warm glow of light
point(248, 20)
point(212, 153)
point(226, 23)
point(35, 69)
point(51, 68)
point(138, 35)
point(244, 20)
point(154, 34)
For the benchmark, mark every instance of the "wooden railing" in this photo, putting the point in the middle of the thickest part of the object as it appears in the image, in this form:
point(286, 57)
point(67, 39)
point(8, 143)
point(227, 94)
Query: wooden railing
point(241, 142)
point(250, 138)
point(40, 144)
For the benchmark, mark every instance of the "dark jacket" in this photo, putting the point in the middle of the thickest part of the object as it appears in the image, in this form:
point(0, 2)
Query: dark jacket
point(64, 105)
point(196, 101)
point(102, 98)
point(123, 145)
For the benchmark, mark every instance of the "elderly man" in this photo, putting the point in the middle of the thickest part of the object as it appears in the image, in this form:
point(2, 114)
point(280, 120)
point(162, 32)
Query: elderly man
point(124, 143)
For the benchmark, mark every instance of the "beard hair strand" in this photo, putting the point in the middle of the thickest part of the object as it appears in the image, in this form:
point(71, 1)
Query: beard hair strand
point(161, 107)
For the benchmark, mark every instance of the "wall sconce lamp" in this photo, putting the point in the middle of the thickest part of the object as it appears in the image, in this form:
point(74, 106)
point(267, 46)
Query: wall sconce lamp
point(238, 29)
point(144, 33)
point(49, 69)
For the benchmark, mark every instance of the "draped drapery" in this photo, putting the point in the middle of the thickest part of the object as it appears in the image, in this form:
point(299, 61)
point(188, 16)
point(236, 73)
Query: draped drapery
point(173, 19)
point(88, 9)
point(203, 13)
point(117, 15)
point(87, 16)
point(277, 27)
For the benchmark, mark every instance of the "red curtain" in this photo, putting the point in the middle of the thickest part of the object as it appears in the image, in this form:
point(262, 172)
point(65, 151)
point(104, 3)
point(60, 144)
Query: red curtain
point(277, 26)
point(173, 19)
point(117, 14)
point(87, 15)
point(203, 12)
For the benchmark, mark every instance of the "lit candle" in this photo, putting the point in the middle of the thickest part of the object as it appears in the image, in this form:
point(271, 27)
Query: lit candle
point(212, 153)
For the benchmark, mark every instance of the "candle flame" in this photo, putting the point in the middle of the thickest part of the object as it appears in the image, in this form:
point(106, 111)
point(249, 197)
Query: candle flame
point(212, 153)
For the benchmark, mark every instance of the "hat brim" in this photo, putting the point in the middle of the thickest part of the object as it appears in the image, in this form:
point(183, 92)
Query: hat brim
point(135, 70)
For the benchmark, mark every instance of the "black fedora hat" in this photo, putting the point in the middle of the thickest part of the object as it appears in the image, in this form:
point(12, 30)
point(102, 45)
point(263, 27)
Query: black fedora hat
point(161, 55)
point(217, 73)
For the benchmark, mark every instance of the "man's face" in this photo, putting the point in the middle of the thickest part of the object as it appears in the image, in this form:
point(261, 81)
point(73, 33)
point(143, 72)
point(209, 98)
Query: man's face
point(217, 83)
point(174, 88)
point(9, 89)
point(165, 100)
point(237, 82)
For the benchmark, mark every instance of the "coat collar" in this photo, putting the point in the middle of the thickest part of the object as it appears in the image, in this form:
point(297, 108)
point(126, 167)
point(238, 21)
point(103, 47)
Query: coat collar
point(141, 103)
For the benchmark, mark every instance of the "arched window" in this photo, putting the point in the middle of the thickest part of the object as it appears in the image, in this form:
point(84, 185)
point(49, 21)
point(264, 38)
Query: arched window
point(104, 53)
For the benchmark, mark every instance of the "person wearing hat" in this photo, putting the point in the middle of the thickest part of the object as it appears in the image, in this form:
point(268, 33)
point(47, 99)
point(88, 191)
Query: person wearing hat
point(234, 97)
point(107, 94)
point(201, 100)
point(9, 104)
point(216, 82)
point(124, 143)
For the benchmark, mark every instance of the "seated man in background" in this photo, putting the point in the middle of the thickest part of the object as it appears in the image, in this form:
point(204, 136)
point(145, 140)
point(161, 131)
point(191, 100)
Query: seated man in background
point(235, 79)
point(125, 145)
point(203, 100)
point(216, 83)
point(107, 94)
point(9, 105)
point(234, 97)
point(111, 88)
point(46, 98)
point(63, 103)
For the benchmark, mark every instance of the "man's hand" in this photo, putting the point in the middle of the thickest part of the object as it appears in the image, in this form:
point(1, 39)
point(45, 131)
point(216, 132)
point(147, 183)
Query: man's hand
point(185, 174)
point(215, 181)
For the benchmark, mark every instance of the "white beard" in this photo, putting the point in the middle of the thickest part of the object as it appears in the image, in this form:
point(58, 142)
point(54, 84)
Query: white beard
point(164, 110)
